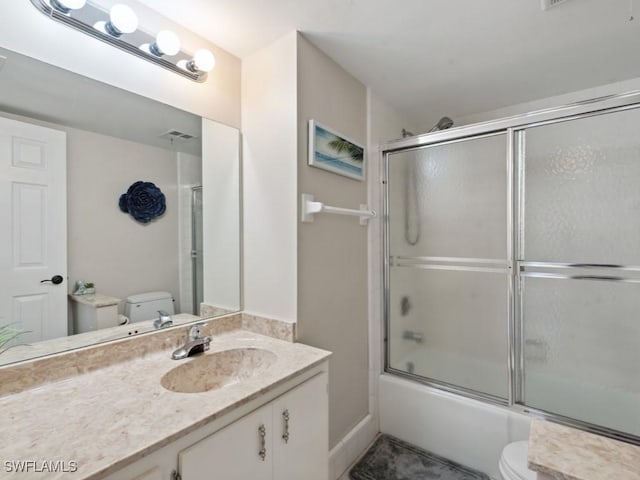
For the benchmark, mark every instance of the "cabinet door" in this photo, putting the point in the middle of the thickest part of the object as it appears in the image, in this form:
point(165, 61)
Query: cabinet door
point(153, 474)
point(233, 453)
point(303, 414)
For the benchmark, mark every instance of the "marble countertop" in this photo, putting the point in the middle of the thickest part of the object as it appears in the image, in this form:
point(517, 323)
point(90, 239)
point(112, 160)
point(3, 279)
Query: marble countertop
point(110, 417)
point(96, 300)
point(566, 453)
point(21, 353)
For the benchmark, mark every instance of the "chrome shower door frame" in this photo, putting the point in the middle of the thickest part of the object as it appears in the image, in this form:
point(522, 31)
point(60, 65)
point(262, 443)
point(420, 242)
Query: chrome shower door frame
point(514, 128)
point(195, 253)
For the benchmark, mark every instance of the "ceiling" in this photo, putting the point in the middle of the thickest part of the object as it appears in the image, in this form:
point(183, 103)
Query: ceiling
point(431, 58)
point(42, 91)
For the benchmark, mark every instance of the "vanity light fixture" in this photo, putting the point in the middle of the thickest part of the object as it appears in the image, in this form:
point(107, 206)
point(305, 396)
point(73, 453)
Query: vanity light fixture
point(202, 61)
point(65, 6)
point(167, 43)
point(119, 28)
point(122, 19)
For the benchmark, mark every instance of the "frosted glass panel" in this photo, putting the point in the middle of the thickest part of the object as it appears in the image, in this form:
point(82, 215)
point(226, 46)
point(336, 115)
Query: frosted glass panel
point(450, 200)
point(450, 326)
point(582, 195)
point(582, 350)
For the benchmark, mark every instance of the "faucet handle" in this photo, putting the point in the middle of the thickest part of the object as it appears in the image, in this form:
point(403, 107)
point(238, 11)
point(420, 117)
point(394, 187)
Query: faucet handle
point(194, 330)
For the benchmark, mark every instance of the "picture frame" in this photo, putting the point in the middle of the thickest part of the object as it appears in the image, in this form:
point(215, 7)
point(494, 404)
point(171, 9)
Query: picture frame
point(334, 152)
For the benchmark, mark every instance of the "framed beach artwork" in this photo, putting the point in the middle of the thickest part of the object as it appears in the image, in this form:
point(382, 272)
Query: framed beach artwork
point(334, 152)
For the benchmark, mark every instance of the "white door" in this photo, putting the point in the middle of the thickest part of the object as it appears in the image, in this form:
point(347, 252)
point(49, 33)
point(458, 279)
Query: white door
point(301, 432)
point(241, 451)
point(33, 230)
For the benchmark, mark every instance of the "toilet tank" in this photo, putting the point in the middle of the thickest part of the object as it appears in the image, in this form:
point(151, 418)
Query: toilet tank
point(145, 306)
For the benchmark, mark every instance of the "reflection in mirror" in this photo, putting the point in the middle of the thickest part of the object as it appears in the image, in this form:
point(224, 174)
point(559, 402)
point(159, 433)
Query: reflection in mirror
point(116, 195)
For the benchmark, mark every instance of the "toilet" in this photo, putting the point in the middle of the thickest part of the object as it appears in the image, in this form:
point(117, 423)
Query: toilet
point(513, 462)
point(145, 306)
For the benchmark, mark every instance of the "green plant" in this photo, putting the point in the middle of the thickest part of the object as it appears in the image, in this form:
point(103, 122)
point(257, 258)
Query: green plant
point(8, 333)
point(89, 285)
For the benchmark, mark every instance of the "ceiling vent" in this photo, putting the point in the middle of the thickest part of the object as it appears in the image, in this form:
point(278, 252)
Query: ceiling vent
point(177, 136)
point(547, 4)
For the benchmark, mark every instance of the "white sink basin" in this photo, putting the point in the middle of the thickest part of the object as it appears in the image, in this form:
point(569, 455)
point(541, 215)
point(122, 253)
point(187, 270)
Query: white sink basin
point(217, 370)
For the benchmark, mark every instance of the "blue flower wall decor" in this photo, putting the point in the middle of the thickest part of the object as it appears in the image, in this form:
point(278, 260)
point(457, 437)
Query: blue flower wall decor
point(143, 201)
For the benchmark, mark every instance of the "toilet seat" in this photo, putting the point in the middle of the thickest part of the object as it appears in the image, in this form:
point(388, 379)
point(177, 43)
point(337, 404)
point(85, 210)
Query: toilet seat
point(513, 462)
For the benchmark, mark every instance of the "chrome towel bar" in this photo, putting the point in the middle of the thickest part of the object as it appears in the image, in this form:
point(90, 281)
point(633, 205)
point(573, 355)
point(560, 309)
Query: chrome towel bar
point(309, 208)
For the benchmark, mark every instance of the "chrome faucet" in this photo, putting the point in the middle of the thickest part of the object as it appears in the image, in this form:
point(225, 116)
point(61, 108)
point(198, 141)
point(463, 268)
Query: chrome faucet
point(163, 321)
point(194, 344)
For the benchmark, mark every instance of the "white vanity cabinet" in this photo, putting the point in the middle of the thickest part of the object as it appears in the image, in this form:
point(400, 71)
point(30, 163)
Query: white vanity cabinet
point(286, 439)
point(301, 432)
point(294, 418)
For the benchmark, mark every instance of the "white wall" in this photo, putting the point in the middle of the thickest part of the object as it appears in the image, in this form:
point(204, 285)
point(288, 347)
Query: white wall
point(25, 30)
point(269, 116)
point(106, 246)
point(221, 214)
point(551, 102)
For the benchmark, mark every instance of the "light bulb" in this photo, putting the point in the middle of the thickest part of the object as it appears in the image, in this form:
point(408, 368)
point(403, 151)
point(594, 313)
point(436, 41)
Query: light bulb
point(167, 43)
point(122, 19)
point(65, 6)
point(203, 61)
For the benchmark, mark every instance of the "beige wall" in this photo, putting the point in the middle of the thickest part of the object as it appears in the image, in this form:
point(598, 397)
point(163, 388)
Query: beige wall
point(108, 247)
point(25, 30)
point(332, 251)
point(269, 180)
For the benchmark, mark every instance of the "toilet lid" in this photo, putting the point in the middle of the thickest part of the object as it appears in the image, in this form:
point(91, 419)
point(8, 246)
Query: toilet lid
point(513, 463)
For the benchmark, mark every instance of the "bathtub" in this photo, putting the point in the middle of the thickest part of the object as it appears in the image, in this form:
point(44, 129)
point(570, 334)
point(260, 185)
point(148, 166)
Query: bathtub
point(464, 430)
point(473, 432)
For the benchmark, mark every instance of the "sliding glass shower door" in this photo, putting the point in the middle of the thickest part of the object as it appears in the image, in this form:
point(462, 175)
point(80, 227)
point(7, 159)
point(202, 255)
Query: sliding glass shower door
point(579, 275)
point(449, 254)
point(512, 263)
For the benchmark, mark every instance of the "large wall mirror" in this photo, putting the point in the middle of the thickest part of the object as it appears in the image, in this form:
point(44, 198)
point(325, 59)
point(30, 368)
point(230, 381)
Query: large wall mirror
point(70, 147)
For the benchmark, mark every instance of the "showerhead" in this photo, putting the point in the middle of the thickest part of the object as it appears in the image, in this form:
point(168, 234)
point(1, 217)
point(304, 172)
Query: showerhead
point(443, 124)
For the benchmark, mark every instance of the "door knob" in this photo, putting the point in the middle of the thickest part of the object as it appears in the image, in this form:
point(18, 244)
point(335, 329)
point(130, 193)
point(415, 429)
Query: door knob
point(56, 280)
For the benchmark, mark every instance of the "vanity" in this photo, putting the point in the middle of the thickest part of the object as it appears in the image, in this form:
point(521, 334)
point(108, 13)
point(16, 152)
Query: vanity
point(252, 406)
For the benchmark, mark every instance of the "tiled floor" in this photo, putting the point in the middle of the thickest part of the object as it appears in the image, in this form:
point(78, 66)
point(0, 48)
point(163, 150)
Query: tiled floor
point(345, 476)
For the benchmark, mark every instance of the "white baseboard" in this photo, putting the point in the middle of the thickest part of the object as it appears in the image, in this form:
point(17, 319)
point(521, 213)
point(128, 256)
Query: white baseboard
point(352, 445)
